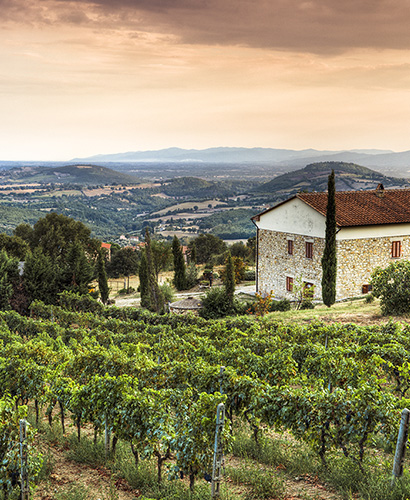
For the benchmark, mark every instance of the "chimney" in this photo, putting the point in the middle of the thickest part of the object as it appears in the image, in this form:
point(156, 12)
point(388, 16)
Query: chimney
point(380, 190)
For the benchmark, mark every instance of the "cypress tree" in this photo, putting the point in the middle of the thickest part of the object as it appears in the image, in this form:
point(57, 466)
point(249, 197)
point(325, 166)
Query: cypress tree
point(156, 299)
point(230, 281)
point(42, 277)
point(192, 255)
point(102, 278)
point(143, 275)
point(329, 264)
point(179, 265)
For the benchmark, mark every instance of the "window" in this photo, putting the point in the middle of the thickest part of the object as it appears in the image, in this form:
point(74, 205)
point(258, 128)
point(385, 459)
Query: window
point(290, 247)
point(289, 284)
point(366, 289)
point(396, 249)
point(309, 250)
point(308, 290)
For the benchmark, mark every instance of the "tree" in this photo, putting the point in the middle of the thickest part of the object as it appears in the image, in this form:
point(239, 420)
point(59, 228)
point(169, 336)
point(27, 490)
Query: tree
point(143, 275)
point(207, 245)
point(14, 246)
point(102, 278)
point(77, 271)
point(25, 232)
point(329, 263)
point(124, 262)
point(156, 300)
point(229, 283)
point(161, 256)
point(392, 285)
point(179, 265)
point(9, 277)
point(41, 277)
point(56, 233)
point(192, 253)
point(238, 249)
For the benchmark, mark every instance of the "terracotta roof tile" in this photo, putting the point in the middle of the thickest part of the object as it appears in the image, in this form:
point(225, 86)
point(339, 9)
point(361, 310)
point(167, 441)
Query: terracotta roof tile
point(363, 208)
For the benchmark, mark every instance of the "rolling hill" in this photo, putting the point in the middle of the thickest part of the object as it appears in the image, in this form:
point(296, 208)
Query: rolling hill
point(69, 174)
point(313, 177)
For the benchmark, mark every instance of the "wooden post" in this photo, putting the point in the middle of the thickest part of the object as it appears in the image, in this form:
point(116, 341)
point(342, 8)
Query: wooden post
point(107, 436)
point(221, 374)
point(218, 452)
point(401, 445)
point(23, 461)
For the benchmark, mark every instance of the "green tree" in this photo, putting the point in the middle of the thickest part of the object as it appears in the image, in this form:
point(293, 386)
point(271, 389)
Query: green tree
point(192, 253)
point(9, 277)
point(156, 300)
point(179, 265)
point(229, 282)
point(102, 278)
point(25, 232)
point(41, 277)
point(14, 246)
point(161, 256)
point(240, 250)
point(124, 262)
point(77, 270)
point(207, 246)
point(143, 275)
point(56, 234)
point(392, 285)
point(329, 263)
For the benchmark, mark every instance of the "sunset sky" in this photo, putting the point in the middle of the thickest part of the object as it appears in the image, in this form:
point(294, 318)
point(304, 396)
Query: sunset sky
point(81, 78)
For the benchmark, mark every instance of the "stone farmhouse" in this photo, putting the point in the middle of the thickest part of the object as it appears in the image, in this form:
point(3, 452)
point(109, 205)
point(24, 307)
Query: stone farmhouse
point(373, 229)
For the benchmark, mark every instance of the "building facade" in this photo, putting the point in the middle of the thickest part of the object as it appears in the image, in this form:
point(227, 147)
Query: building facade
point(373, 230)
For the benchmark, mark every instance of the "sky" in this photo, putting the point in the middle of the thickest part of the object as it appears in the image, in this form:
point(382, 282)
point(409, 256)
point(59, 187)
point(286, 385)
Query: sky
point(80, 78)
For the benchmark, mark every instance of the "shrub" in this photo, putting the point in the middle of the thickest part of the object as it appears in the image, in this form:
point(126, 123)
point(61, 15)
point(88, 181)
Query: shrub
point(280, 305)
point(167, 292)
point(216, 304)
point(392, 286)
point(250, 275)
point(307, 304)
point(192, 276)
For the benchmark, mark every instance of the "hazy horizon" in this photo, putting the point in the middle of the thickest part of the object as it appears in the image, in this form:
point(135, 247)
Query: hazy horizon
point(81, 78)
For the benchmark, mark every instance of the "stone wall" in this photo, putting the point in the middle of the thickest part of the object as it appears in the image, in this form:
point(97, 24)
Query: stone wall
point(356, 260)
point(275, 265)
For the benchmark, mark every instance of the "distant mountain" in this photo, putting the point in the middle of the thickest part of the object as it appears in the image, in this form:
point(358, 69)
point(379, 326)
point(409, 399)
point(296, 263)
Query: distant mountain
point(69, 174)
point(221, 155)
point(313, 177)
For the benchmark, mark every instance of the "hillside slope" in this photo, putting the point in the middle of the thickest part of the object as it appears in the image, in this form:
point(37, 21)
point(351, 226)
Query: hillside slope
point(313, 177)
point(70, 174)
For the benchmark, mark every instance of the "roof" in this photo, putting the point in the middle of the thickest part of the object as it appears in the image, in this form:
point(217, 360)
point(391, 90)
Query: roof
point(360, 208)
point(189, 303)
point(106, 245)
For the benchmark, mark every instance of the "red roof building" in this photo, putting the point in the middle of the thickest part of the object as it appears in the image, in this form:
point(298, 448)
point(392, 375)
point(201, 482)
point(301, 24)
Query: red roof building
point(373, 229)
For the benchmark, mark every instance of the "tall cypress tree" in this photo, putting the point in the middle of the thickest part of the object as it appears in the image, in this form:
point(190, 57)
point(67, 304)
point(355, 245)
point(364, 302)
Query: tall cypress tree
point(230, 281)
point(179, 265)
point(156, 299)
point(329, 264)
point(143, 275)
point(102, 278)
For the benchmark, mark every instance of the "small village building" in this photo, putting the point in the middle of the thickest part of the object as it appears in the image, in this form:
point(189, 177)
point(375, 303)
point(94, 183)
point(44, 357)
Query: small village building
point(373, 230)
point(107, 248)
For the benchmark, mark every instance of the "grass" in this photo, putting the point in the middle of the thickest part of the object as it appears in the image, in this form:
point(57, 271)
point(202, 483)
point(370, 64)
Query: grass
point(357, 311)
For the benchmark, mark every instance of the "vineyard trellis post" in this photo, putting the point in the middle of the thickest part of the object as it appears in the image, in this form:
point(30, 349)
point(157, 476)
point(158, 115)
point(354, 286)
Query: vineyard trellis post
point(401, 445)
point(218, 451)
point(23, 461)
point(221, 374)
point(107, 436)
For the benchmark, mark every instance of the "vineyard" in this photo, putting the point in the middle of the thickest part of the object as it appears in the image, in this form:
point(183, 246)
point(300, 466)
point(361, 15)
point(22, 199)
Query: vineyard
point(154, 382)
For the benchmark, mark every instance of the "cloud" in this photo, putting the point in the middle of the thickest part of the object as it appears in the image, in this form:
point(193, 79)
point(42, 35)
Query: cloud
point(316, 26)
